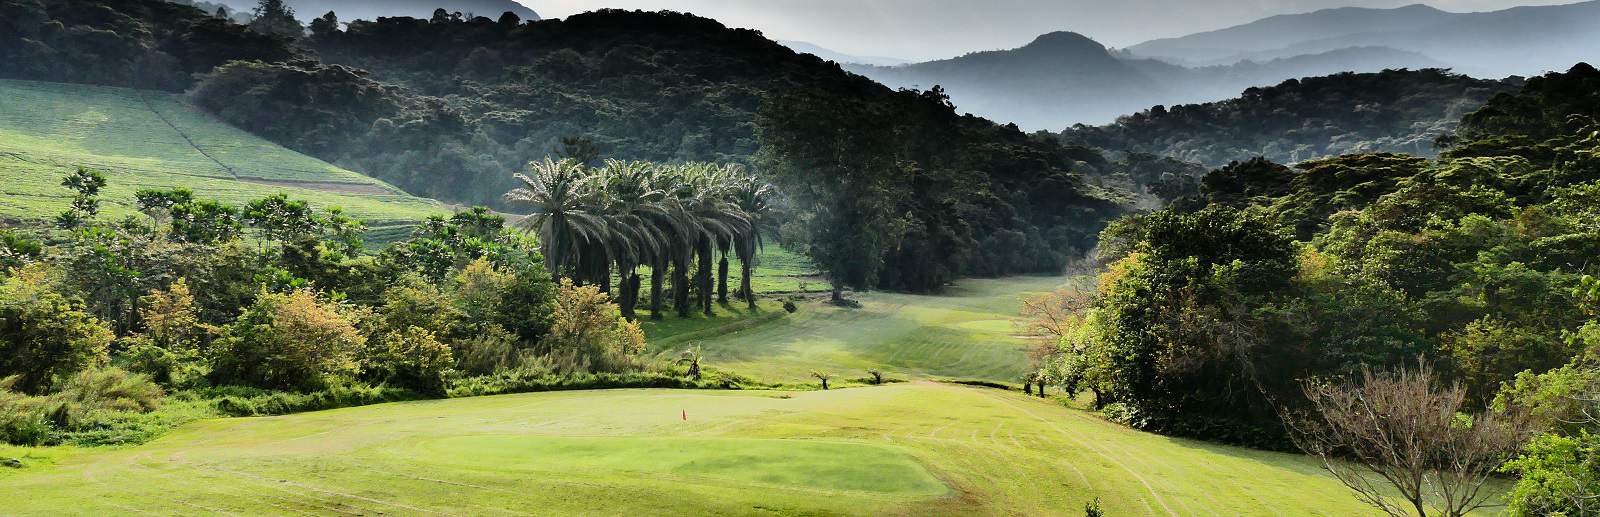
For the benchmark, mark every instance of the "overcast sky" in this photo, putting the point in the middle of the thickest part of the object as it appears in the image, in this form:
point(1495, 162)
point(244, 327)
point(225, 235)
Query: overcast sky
point(929, 29)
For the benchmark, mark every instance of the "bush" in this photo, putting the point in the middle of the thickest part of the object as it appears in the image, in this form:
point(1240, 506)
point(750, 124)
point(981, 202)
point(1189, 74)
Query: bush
point(790, 307)
point(246, 401)
point(44, 336)
point(412, 358)
point(89, 402)
point(588, 335)
point(289, 341)
point(492, 350)
point(1559, 475)
point(536, 379)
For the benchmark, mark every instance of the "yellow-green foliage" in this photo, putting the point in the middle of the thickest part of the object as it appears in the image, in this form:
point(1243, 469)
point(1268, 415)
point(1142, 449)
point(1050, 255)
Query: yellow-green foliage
point(43, 335)
point(291, 340)
point(588, 333)
point(412, 357)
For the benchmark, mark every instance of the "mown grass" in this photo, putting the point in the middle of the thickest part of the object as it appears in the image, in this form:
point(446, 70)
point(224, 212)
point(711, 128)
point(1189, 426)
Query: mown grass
point(964, 333)
point(49, 129)
point(905, 449)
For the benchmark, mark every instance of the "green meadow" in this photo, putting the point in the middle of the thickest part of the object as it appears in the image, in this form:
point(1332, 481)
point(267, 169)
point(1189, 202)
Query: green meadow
point(912, 448)
point(964, 333)
point(906, 449)
point(144, 139)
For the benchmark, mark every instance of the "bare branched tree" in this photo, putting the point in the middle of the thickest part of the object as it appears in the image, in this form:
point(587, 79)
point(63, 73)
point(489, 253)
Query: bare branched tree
point(1047, 317)
point(1403, 432)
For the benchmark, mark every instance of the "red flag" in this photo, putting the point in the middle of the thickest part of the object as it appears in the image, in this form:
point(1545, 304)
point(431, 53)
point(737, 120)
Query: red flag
point(685, 415)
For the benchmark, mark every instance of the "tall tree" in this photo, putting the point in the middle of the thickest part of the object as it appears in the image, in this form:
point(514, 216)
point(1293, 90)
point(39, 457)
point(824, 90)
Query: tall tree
point(276, 18)
point(555, 192)
point(834, 158)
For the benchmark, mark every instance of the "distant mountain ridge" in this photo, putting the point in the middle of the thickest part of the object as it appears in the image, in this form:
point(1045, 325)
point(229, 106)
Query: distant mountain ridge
point(1064, 78)
point(348, 10)
point(828, 54)
point(1524, 40)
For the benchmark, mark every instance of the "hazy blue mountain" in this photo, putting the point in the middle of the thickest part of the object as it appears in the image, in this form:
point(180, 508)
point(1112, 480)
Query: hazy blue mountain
point(1057, 79)
point(1064, 78)
point(372, 9)
point(1233, 44)
point(1518, 41)
point(840, 57)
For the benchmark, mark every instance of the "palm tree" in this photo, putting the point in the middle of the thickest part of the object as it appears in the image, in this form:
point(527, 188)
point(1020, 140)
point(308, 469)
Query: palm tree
point(721, 221)
point(686, 229)
point(751, 195)
point(557, 193)
point(633, 211)
point(691, 358)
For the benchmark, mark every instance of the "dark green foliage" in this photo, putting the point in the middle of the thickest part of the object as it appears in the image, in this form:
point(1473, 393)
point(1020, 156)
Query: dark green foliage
point(1210, 318)
point(917, 196)
point(85, 185)
point(242, 401)
point(1546, 107)
point(275, 18)
point(537, 380)
point(141, 43)
point(43, 335)
point(1400, 111)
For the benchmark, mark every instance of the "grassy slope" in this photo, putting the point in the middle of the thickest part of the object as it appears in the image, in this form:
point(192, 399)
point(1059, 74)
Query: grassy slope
point(48, 129)
point(923, 449)
point(964, 333)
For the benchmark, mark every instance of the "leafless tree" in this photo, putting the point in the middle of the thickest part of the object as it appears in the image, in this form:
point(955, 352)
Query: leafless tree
point(1403, 432)
point(1047, 317)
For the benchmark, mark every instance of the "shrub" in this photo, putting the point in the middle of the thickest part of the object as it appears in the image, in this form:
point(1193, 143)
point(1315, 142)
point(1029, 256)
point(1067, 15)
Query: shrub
point(588, 334)
point(44, 336)
point(1559, 475)
point(790, 307)
point(246, 401)
point(490, 351)
point(412, 358)
point(169, 349)
point(289, 341)
point(90, 402)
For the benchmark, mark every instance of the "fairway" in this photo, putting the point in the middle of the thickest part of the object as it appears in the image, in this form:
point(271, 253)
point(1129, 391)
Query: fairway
point(908, 449)
point(965, 332)
point(145, 139)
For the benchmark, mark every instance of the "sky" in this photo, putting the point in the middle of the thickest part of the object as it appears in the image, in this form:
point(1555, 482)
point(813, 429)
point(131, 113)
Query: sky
point(934, 29)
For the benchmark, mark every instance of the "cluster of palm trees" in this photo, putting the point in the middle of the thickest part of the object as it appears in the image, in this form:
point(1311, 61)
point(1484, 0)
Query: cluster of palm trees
point(628, 215)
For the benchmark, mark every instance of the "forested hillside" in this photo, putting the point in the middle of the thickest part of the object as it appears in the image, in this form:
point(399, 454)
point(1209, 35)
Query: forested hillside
point(450, 108)
point(1301, 119)
point(1215, 311)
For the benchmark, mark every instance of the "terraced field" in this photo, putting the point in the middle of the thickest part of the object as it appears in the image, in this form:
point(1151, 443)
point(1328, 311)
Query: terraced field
point(907, 449)
point(146, 139)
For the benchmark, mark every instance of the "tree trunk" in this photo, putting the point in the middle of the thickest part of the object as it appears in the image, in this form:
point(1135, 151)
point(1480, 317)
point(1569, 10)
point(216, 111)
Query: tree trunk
point(744, 285)
point(1027, 387)
point(658, 272)
point(838, 292)
point(680, 286)
point(626, 298)
point(722, 280)
point(704, 276)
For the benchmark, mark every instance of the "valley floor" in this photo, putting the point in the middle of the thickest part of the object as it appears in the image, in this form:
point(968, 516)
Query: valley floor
point(915, 449)
point(964, 333)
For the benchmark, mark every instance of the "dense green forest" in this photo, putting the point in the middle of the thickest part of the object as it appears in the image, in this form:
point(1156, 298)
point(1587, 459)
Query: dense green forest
point(450, 107)
point(1400, 111)
point(1214, 311)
